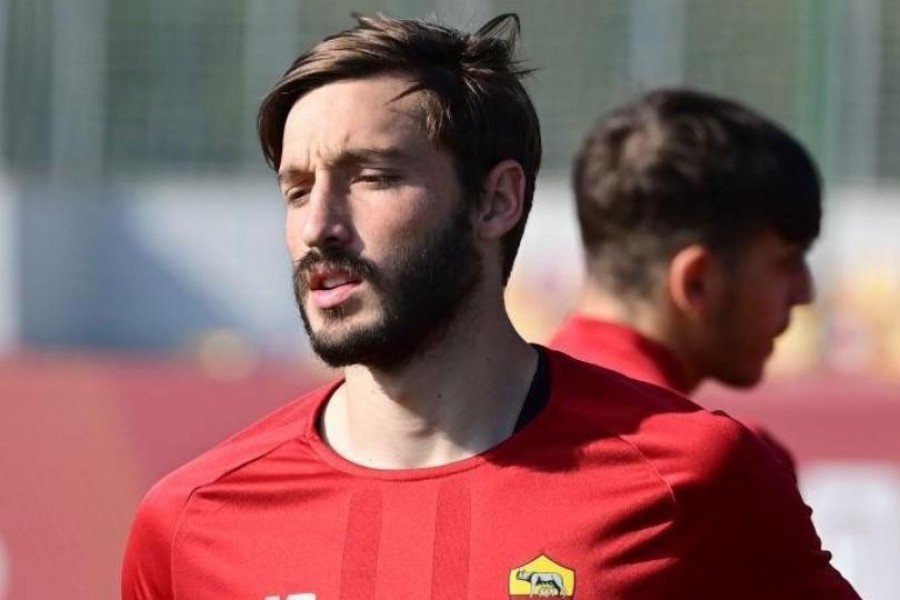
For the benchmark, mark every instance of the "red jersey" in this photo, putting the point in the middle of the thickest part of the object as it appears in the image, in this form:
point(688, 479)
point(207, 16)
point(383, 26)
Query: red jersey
point(615, 490)
point(620, 348)
point(623, 349)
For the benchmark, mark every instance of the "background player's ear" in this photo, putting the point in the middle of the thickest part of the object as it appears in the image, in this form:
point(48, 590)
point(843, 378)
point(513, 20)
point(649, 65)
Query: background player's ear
point(502, 200)
point(695, 280)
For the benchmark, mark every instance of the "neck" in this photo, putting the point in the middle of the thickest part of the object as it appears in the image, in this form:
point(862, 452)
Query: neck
point(651, 319)
point(451, 401)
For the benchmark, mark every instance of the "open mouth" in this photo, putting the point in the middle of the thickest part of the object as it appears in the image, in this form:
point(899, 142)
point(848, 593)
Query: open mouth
point(328, 278)
point(330, 286)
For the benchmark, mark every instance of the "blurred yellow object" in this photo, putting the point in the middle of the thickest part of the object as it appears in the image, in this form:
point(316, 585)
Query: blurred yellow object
point(224, 354)
point(798, 350)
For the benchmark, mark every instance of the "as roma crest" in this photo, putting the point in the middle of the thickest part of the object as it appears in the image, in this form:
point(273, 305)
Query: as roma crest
point(542, 578)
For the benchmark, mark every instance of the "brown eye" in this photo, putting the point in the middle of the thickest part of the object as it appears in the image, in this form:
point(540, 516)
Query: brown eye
point(377, 180)
point(296, 195)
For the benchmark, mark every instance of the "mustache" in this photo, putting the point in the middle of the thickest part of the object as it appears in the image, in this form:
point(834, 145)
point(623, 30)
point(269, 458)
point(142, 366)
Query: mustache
point(332, 258)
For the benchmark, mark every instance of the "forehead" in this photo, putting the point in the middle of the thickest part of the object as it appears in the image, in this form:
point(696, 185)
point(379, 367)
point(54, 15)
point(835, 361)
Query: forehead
point(769, 241)
point(766, 247)
point(370, 114)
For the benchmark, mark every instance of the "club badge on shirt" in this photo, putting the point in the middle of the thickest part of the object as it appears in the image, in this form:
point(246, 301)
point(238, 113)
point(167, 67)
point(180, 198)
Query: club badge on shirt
point(541, 577)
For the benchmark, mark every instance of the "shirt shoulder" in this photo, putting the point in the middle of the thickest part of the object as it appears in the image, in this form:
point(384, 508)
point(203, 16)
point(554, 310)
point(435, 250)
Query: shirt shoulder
point(695, 453)
point(667, 429)
point(622, 349)
point(730, 493)
point(145, 571)
point(278, 427)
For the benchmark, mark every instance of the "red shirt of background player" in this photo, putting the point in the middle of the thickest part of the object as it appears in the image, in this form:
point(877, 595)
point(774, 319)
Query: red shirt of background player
point(623, 349)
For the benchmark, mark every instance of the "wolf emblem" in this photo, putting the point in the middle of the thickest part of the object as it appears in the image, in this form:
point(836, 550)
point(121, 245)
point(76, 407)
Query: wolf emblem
point(542, 582)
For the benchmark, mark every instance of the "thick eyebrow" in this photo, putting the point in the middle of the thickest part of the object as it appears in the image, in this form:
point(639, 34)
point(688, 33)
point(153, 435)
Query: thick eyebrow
point(361, 156)
point(291, 175)
point(348, 158)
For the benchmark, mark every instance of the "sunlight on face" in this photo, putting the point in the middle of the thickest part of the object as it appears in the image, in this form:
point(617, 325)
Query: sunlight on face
point(376, 223)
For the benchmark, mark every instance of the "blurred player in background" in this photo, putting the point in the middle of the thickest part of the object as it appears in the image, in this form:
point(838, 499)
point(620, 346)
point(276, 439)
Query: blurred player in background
point(453, 459)
point(696, 214)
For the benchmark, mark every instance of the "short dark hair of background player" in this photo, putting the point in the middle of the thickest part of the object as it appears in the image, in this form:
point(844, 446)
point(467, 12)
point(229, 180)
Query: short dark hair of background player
point(678, 167)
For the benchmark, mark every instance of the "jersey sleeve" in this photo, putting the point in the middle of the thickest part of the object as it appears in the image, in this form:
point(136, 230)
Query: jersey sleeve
point(146, 569)
point(765, 535)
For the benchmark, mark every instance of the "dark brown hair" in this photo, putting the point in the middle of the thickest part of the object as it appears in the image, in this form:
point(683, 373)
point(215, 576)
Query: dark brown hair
point(476, 106)
point(677, 167)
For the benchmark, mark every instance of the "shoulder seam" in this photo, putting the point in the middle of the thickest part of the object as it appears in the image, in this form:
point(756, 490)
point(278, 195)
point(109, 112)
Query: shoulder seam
point(653, 468)
point(640, 387)
point(176, 530)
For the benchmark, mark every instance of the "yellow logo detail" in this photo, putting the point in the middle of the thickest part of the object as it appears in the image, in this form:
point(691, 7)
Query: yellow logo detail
point(542, 578)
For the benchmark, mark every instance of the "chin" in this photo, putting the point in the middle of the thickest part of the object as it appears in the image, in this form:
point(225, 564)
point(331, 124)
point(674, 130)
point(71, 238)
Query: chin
point(742, 378)
point(741, 372)
point(338, 320)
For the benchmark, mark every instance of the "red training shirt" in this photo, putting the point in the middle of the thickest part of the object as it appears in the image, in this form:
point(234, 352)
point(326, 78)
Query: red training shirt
point(623, 349)
point(616, 489)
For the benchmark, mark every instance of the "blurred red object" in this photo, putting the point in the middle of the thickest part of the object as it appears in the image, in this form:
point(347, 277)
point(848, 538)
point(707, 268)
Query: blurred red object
point(821, 417)
point(82, 439)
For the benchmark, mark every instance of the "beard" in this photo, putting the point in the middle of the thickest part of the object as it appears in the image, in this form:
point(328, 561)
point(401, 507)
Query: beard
point(421, 293)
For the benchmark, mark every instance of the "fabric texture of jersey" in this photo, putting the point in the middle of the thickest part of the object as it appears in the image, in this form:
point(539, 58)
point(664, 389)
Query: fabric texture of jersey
point(625, 350)
point(622, 349)
point(616, 489)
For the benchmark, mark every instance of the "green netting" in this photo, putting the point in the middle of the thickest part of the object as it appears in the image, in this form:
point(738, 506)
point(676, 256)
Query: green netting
point(131, 86)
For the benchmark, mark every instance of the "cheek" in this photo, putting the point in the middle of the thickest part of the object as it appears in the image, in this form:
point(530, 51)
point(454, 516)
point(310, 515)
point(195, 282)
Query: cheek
point(769, 310)
point(383, 233)
point(780, 293)
point(767, 292)
point(753, 314)
point(292, 236)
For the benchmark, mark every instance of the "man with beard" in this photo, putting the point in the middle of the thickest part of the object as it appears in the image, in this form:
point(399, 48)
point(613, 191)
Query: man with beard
point(452, 459)
point(696, 214)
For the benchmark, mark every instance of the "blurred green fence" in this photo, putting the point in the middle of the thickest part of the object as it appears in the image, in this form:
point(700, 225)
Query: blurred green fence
point(94, 89)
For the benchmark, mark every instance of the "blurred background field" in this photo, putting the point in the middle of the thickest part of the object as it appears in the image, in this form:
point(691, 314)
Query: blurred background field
point(145, 302)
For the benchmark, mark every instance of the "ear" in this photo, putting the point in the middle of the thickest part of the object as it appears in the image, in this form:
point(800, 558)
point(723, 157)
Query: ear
point(502, 200)
point(695, 281)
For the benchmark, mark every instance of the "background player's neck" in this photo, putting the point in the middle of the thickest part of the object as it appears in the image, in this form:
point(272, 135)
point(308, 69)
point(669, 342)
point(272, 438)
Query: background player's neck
point(641, 315)
point(653, 319)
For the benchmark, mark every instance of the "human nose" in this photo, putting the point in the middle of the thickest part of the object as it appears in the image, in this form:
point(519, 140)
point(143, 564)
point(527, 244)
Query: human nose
point(326, 222)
